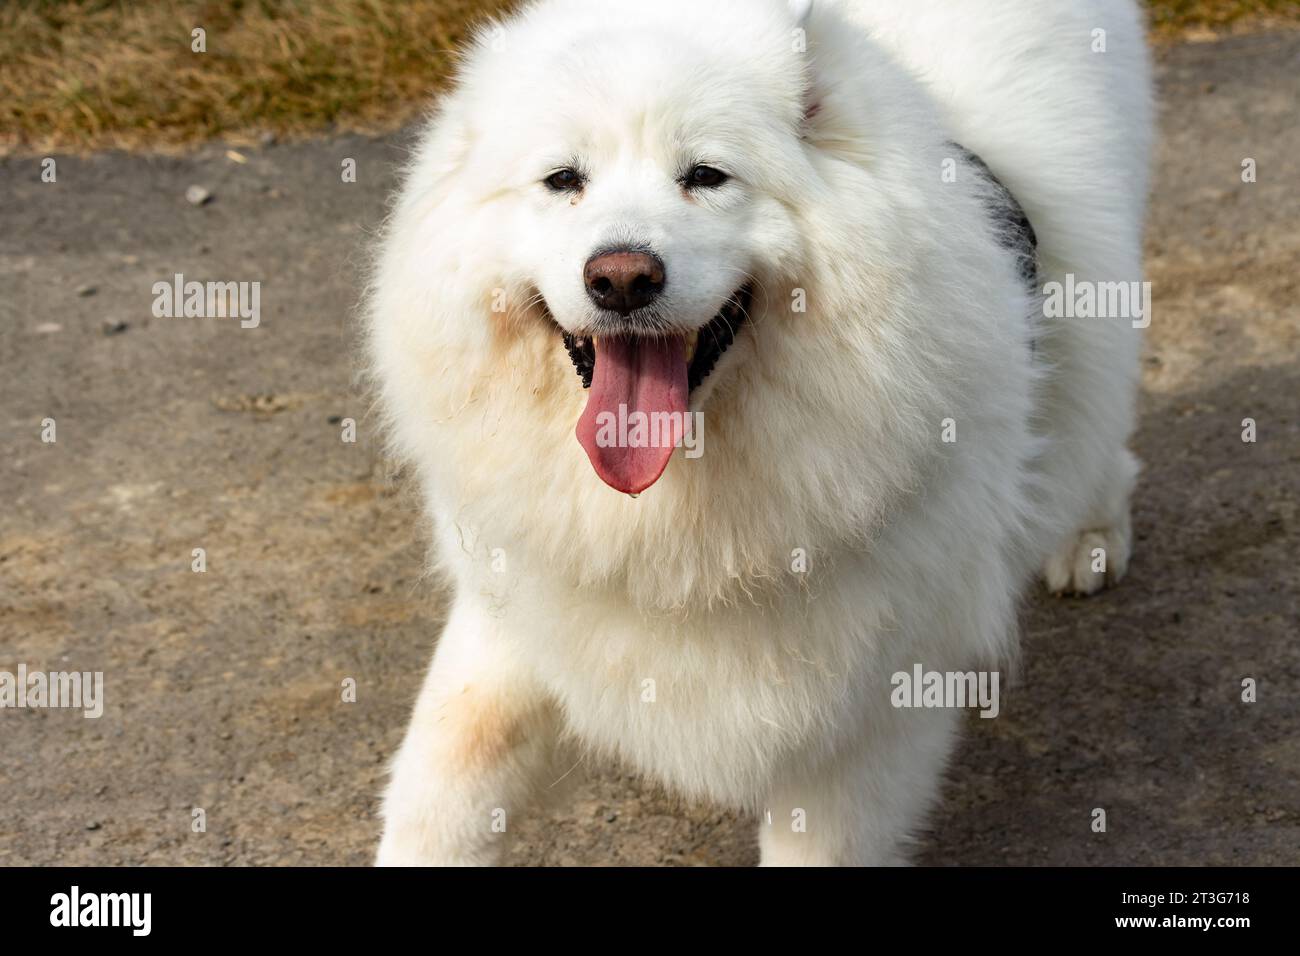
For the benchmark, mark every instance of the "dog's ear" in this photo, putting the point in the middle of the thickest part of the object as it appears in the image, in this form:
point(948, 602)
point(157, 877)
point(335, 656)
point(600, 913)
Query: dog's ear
point(801, 10)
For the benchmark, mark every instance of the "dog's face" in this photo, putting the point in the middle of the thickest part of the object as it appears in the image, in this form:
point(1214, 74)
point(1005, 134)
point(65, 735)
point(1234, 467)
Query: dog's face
point(639, 224)
point(643, 193)
point(662, 149)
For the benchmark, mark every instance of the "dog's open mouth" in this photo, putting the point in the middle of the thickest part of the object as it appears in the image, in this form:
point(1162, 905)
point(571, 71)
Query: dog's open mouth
point(639, 391)
point(703, 348)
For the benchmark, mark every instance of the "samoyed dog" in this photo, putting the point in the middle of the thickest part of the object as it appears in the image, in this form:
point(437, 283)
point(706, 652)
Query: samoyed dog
point(719, 338)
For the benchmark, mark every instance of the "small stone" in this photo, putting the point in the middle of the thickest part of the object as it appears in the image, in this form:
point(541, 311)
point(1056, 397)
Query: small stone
point(93, 825)
point(197, 195)
point(113, 327)
point(48, 328)
point(85, 290)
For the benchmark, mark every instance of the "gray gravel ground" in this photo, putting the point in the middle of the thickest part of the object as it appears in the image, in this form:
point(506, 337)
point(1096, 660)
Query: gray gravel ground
point(223, 688)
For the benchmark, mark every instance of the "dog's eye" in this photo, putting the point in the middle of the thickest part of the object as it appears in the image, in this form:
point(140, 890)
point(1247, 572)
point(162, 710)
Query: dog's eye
point(563, 181)
point(705, 177)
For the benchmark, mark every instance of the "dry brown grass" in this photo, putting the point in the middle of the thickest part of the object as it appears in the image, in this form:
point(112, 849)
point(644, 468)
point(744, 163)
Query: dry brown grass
point(1171, 18)
point(91, 74)
point(79, 74)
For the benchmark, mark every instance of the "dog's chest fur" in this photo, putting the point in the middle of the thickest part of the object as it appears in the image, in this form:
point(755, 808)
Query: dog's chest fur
point(708, 703)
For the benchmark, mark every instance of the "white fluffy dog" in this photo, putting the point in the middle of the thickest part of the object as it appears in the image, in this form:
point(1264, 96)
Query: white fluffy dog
point(765, 228)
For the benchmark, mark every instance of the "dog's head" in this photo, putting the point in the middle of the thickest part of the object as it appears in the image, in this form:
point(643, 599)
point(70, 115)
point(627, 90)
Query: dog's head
point(640, 162)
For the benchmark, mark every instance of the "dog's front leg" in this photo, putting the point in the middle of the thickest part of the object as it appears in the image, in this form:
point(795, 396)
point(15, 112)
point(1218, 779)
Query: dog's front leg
point(482, 739)
point(863, 806)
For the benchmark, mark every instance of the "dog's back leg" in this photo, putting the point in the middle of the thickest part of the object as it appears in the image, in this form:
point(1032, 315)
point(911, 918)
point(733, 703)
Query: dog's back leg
point(1097, 553)
point(1087, 473)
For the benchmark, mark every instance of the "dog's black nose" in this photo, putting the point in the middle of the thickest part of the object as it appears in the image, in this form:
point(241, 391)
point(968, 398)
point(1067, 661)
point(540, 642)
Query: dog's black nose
point(624, 281)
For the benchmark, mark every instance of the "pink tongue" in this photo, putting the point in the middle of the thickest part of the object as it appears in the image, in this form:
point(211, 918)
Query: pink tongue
point(646, 376)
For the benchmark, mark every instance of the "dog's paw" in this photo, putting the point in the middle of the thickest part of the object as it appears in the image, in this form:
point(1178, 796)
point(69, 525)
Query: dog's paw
point(1089, 561)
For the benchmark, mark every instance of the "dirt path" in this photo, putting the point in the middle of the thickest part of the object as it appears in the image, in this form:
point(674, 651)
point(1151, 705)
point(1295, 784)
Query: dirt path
point(223, 688)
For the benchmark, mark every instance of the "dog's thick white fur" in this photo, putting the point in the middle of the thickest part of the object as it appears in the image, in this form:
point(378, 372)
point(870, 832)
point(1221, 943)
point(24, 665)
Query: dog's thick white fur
point(732, 632)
